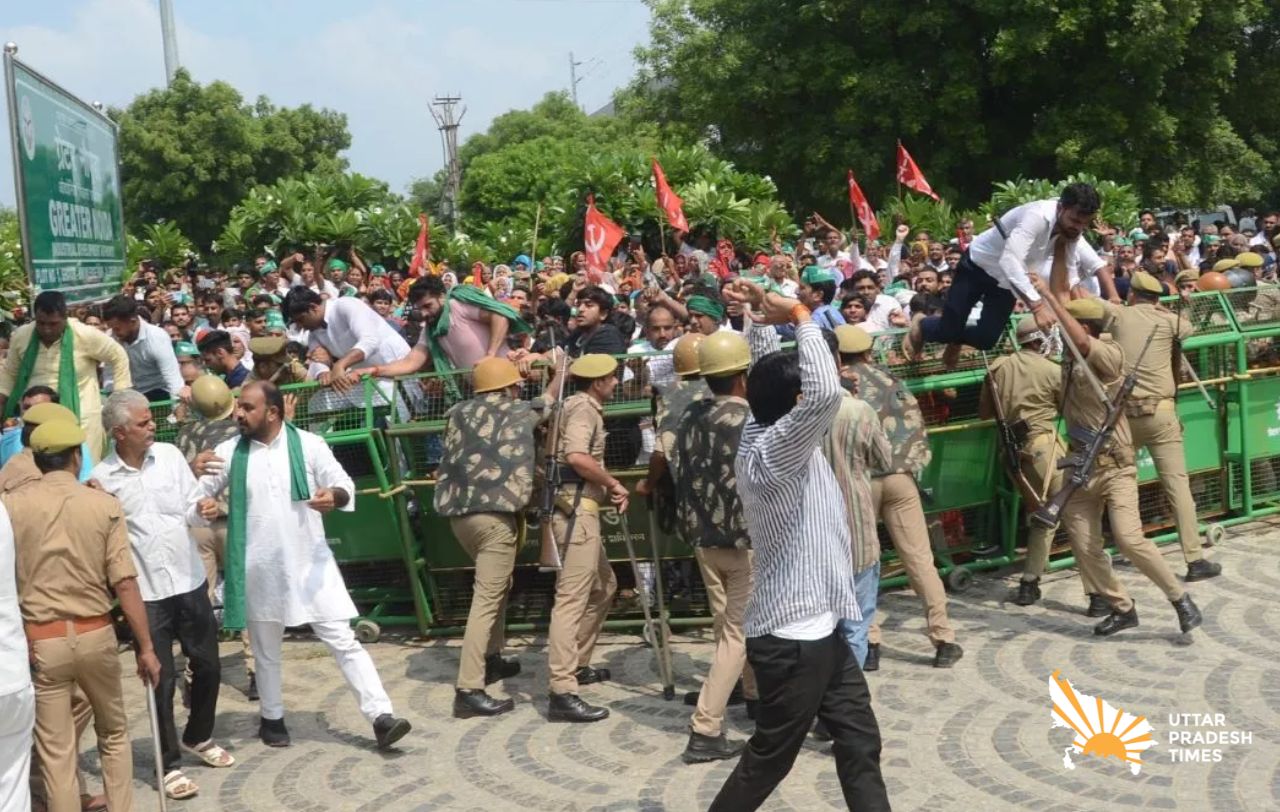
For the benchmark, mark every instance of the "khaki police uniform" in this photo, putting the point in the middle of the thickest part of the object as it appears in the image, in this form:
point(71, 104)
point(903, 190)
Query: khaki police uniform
point(1152, 408)
point(1113, 487)
point(586, 583)
point(72, 548)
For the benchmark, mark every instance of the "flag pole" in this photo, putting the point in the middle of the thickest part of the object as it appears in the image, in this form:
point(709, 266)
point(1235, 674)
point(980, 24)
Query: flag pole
point(533, 254)
point(662, 236)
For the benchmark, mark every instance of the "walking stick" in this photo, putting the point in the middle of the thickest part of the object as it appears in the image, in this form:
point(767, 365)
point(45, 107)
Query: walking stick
point(155, 746)
point(668, 676)
point(644, 605)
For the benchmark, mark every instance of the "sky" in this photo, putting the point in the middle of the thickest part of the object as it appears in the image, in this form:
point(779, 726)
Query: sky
point(378, 62)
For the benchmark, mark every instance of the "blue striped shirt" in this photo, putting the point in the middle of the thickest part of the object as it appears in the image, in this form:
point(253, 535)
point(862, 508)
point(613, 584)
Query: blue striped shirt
point(791, 500)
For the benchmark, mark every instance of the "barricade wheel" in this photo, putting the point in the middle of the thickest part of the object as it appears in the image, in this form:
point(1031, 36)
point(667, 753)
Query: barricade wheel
point(367, 631)
point(959, 579)
point(1214, 534)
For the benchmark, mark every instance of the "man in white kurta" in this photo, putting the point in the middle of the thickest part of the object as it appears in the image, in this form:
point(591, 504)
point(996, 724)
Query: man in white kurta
point(291, 577)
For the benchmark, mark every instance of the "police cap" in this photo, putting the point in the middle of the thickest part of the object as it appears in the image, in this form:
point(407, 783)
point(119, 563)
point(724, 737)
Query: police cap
point(49, 412)
point(593, 365)
point(852, 339)
point(56, 436)
point(1145, 282)
point(267, 346)
point(1249, 259)
point(1089, 309)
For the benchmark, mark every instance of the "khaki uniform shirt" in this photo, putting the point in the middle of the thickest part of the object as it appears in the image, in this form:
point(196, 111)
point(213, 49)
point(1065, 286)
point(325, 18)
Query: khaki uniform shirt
point(72, 547)
point(1030, 386)
point(18, 471)
point(581, 432)
point(1082, 407)
point(1130, 327)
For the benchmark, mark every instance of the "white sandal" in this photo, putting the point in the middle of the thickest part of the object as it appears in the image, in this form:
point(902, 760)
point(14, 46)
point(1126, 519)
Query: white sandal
point(178, 787)
point(211, 754)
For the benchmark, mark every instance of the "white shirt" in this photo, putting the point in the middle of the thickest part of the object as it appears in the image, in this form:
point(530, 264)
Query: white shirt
point(155, 499)
point(878, 316)
point(152, 361)
point(1258, 239)
point(351, 324)
point(291, 576)
point(15, 673)
point(1030, 250)
point(787, 287)
point(662, 370)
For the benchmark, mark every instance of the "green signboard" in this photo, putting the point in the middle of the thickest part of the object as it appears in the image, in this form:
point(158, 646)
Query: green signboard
point(68, 179)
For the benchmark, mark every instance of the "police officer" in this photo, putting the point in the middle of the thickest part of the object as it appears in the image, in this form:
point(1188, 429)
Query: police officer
point(1114, 484)
point(484, 483)
point(896, 497)
point(72, 552)
point(585, 584)
point(20, 469)
point(272, 363)
point(701, 448)
point(1152, 408)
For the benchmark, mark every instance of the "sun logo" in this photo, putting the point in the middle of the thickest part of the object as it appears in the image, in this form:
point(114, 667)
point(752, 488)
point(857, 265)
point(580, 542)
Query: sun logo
point(1101, 730)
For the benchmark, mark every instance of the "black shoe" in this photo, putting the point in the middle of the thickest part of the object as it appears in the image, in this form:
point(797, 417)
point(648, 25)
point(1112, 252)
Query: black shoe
point(751, 704)
point(586, 675)
point(873, 658)
point(948, 655)
point(571, 708)
point(252, 691)
point(1188, 613)
point(273, 732)
point(388, 730)
point(1028, 592)
point(820, 732)
point(691, 697)
point(736, 697)
point(1117, 622)
point(710, 748)
point(496, 668)
point(1098, 606)
point(1202, 570)
point(475, 702)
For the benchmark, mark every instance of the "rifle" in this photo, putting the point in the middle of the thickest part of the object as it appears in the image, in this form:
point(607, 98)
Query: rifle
point(549, 554)
point(1087, 444)
point(1011, 441)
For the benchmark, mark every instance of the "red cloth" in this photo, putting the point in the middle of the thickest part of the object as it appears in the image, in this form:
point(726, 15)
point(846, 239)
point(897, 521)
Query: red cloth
point(600, 237)
point(862, 207)
point(910, 176)
point(424, 245)
point(721, 265)
point(668, 200)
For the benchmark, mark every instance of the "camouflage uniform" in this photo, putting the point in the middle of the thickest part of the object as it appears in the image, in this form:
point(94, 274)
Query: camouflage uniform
point(896, 496)
point(701, 449)
point(484, 481)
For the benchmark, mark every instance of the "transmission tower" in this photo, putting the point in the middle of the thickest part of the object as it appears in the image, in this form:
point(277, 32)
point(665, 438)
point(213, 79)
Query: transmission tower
point(442, 108)
point(171, 64)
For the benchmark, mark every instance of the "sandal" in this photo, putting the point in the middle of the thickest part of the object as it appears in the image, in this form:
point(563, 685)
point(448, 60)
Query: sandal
point(178, 787)
point(211, 754)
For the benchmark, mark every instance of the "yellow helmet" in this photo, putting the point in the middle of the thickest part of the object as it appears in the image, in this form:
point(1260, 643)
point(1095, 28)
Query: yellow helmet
point(491, 374)
point(685, 355)
point(721, 353)
point(212, 397)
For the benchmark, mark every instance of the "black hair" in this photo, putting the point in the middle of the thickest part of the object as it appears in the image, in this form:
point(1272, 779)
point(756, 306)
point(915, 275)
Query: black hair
point(425, 286)
point(854, 297)
point(263, 301)
point(40, 389)
point(1082, 197)
point(773, 386)
point(660, 306)
point(176, 305)
point(212, 296)
point(296, 349)
point(1147, 211)
point(232, 313)
point(597, 296)
point(54, 461)
point(215, 340)
point(272, 395)
point(381, 295)
point(927, 303)
point(721, 384)
point(119, 307)
point(300, 300)
point(860, 275)
point(827, 290)
point(51, 302)
point(246, 271)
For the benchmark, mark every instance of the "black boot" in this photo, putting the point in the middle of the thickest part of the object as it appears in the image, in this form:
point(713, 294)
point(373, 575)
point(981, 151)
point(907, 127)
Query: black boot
point(496, 668)
point(873, 658)
point(1188, 613)
point(1202, 570)
point(586, 675)
point(1098, 606)
point(251, 693)
point(1117, 622)
point(1028, 592)
point(388, 730)
point(475, 702)
point(709, 748)
point(948, 655)
point(571, 708)
point(273, 732)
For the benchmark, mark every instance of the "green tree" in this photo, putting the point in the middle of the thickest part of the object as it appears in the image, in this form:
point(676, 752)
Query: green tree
point(188, 152)
point(979, 90)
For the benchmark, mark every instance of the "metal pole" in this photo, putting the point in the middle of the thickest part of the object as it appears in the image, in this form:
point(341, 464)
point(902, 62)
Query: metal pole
point(155, 744)
point(573, 80)
point(170, 40)
point(659, 639)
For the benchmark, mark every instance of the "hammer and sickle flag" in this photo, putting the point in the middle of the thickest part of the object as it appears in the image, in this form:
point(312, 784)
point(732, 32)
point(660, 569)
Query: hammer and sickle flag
point(668, 200)
point(600, 236)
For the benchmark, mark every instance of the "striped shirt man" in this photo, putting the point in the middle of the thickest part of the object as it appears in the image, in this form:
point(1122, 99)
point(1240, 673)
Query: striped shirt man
point(795, 514)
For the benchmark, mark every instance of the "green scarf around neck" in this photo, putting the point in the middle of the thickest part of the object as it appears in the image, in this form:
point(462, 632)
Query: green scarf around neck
point(233, 598)
point(467, 294)
point(68, 387)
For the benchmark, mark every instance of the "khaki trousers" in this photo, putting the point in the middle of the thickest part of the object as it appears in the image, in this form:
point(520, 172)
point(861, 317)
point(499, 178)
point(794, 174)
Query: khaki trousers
point(1116, 490)
point(897, 502)
point(490, 540)
point(1040, 452)
point(82, 714)
point(726, 573)
point(212, 544)
point(1161, 434)
point(584, 591)
point(89, 661)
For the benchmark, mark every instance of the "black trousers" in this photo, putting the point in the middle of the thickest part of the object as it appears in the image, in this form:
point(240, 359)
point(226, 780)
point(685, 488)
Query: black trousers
point(189, 619)
point(799, 679)
point(158, 395)
point(969, 285)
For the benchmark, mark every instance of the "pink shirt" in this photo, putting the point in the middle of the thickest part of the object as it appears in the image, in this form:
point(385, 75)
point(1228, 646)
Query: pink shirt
point(467, 340)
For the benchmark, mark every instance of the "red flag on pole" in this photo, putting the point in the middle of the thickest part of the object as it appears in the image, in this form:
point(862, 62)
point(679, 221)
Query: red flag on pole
point(863, 208)
point(668, 200)
point(910, 176)
point(420, 252)
point(600, 237)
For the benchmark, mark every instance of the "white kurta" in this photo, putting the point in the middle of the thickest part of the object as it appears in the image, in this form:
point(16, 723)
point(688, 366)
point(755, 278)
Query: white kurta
point(291, 576)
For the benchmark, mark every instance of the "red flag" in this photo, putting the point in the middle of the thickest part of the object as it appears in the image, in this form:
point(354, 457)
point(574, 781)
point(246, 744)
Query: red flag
point(910, 176)
point(863, 208)
point(420, 253)
point(600, 237)
point(668, 200)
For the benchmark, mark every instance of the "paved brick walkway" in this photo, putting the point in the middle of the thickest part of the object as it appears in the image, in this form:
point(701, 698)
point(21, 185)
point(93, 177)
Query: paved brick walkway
point(976, 737)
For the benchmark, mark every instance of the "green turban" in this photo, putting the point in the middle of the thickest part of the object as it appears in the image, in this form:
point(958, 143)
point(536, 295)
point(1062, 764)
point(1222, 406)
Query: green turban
point(813, 275)
point(706, 306)
point(336, 264)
